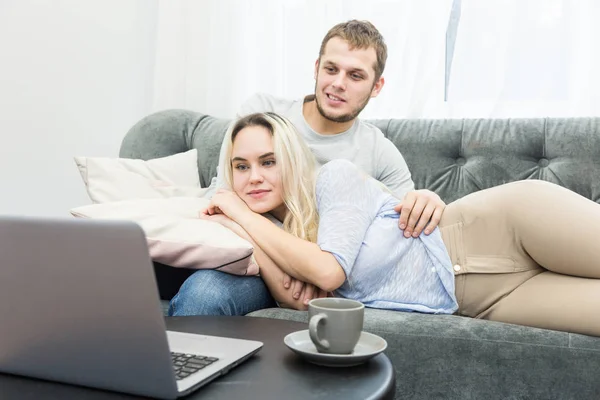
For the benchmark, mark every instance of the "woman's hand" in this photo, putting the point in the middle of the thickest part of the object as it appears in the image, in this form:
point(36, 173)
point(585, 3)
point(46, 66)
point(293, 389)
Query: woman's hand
point(225, 221)
point(227, 202)
point(218, 218)
point(302, 290)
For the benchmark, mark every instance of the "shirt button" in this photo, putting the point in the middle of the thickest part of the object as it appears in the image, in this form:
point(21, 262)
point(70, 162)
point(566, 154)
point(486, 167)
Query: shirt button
point(457, 267)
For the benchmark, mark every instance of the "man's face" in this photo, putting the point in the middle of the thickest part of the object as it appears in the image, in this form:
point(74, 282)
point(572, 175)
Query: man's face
point(345, 80)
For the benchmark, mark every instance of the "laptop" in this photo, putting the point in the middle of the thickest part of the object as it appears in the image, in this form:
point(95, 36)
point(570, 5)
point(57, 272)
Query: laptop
point(79, 304)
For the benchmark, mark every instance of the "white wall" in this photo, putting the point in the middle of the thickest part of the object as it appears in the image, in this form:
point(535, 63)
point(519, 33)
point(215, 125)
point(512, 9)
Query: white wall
point(74, 77)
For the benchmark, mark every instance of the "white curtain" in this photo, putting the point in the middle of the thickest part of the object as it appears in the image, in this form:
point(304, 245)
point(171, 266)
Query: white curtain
point(213, 54)
point(512, 58)
point(526, 58)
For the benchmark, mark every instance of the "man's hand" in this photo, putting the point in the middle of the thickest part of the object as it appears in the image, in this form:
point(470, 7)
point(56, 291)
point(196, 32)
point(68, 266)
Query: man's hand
point(420, 209)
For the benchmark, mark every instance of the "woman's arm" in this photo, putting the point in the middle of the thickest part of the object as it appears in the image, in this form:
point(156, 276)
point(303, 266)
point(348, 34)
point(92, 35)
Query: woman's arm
point(301, 259)
point(273, 277)
point(347, 200)
point(271, 274)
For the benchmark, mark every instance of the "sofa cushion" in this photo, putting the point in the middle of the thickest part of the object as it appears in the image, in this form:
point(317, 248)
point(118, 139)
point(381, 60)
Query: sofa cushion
point(453, 357)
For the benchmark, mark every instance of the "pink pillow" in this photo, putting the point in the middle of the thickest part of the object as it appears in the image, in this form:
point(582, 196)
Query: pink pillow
point(177, 237)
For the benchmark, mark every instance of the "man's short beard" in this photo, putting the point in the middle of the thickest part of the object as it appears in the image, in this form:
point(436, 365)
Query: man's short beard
point(341, 118)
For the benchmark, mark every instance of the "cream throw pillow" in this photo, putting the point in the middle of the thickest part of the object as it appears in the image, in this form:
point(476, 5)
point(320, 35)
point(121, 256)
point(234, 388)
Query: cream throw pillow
point(164, 197)
point(177, 237)
point(115, 179)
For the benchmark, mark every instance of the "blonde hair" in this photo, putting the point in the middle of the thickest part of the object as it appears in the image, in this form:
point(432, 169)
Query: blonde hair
point(359, 35)
point(297, 166)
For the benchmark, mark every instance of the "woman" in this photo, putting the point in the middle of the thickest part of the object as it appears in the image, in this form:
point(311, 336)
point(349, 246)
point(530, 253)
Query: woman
point(500, 254)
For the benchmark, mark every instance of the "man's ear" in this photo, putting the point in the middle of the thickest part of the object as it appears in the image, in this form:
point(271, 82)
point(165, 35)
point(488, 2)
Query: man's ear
point(377, 87)
point(316, 69)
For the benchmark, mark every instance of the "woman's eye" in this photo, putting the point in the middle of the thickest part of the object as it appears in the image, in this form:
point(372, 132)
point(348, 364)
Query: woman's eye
point(269, 163)
point(241, 167)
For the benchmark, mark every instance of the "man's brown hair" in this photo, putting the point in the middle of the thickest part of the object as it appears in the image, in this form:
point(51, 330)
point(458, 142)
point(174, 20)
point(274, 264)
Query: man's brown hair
point(359, 35)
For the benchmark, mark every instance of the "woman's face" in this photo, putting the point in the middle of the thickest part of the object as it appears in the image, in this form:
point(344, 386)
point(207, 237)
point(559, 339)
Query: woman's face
point(256, 175)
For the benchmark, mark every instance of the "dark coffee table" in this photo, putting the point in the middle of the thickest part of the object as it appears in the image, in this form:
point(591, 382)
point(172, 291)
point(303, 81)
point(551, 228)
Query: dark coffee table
point(275, 372)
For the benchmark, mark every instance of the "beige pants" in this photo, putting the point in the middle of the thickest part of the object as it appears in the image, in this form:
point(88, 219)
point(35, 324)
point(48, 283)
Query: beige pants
point(527, 253)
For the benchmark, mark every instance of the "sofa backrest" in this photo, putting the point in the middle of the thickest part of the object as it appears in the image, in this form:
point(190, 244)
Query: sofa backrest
point(450, 157)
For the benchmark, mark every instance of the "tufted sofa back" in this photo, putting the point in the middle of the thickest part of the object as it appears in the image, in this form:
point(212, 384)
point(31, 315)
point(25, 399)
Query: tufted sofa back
point(457, 157)
point(450, 157)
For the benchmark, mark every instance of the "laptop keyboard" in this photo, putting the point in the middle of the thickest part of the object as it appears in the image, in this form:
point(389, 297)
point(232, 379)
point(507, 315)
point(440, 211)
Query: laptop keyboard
point(186, 364)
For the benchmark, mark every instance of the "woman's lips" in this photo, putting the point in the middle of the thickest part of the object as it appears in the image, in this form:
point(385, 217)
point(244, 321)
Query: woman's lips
point(258, 194)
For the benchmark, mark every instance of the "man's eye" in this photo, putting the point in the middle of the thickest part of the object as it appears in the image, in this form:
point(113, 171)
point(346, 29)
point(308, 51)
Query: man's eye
point(330, 69)
point(357, 77)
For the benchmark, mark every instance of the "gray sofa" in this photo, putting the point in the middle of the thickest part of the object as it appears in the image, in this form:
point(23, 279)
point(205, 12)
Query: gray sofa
point(441, 356)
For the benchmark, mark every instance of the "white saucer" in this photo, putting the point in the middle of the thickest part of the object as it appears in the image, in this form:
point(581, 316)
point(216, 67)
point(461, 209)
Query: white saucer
point(368, 346)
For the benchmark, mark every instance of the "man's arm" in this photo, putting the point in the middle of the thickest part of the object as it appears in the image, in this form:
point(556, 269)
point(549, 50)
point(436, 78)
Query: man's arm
point(420, 210)
point(392, 169)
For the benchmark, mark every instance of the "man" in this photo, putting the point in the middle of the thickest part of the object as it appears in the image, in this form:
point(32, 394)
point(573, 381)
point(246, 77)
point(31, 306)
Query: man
point(348, 73)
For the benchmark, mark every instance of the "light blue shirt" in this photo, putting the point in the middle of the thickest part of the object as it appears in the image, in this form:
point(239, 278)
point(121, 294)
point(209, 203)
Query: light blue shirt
point(359, 226)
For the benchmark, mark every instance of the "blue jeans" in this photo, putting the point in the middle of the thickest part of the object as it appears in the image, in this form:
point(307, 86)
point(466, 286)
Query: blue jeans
point(209, 292)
